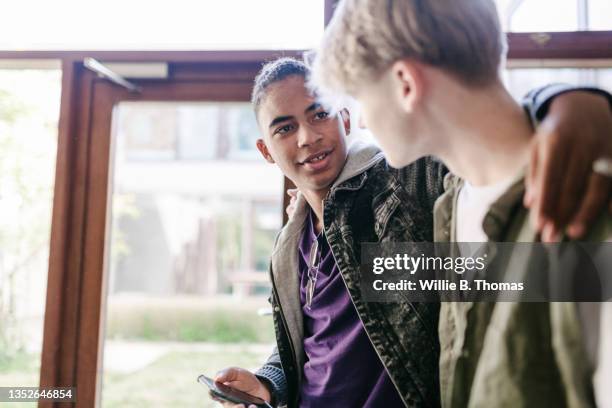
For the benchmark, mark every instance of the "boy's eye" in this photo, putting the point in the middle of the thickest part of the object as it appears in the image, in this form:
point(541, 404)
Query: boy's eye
point(321, 115)
point(284, 129)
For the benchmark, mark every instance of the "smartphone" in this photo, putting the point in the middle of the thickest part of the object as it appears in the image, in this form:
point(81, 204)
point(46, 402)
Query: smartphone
point(231, 394)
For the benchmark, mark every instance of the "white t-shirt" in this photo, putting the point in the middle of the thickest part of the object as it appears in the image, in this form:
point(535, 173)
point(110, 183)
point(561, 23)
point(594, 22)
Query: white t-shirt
point(473, 205)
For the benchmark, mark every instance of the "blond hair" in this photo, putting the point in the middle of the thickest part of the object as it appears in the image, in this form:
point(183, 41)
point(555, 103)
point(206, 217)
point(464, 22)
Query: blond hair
point(365, 37)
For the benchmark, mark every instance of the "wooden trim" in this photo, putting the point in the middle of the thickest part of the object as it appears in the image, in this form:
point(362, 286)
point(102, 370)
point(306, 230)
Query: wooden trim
point(559, 63)
point(562, 45)
point(51, 349)
point(93, 242)
point(61, 327)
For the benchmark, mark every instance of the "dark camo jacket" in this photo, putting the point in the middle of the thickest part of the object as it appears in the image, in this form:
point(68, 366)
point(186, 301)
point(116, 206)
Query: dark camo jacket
point(377, 205)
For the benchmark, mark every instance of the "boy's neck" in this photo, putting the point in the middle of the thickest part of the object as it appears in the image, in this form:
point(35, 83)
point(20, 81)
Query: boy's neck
point(315, 201)
point(484, 132)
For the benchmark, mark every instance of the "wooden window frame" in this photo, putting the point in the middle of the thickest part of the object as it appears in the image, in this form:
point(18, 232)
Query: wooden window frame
point(575, 45)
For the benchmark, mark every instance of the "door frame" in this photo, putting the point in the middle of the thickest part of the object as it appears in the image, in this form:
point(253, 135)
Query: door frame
point(76, 291)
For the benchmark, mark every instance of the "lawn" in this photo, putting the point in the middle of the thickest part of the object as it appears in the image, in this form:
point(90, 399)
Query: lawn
point(20, 370)
point(171, 380)
point(155, 348)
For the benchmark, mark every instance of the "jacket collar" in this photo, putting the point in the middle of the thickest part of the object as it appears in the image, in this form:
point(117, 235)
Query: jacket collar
point(361, 156)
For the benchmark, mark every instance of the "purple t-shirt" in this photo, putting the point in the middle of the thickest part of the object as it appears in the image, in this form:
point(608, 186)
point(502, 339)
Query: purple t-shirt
point(342, 368)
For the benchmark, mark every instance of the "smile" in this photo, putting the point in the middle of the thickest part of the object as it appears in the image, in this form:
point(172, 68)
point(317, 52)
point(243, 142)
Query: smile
point(317, 157)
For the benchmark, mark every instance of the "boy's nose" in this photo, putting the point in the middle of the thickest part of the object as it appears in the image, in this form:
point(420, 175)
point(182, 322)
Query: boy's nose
point(308, 137)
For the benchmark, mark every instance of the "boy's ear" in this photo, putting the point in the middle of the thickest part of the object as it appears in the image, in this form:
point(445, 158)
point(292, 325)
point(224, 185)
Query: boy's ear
point(263, 149)
point(407, 80)
point(346, 120)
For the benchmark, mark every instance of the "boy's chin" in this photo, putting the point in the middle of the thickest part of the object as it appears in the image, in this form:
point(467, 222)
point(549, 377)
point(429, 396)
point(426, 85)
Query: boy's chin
point(398, 161)
point(323, 183)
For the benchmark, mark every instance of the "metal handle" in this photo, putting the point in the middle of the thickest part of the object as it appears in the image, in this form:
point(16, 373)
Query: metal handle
point(103, 71)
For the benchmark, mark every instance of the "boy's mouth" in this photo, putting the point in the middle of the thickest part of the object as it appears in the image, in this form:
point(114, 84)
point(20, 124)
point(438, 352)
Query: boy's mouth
point(317, 157)
point(318, 161)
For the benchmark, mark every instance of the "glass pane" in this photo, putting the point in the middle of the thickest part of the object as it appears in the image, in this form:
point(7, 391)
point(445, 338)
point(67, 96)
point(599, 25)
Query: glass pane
point(502, 10)
point(195, 210)
point(161, 25)
point(600, 15)
point(522, 80)
point(29, 110)
point(538, 15)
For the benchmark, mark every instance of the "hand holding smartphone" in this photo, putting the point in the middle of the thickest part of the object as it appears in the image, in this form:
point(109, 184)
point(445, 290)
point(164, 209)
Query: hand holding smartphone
point(230, 394)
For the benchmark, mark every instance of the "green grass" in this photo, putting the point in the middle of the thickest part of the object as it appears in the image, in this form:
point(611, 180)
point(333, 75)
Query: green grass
point(19, 370)
point(189, 322)
point(171, 380)
point(19, 361)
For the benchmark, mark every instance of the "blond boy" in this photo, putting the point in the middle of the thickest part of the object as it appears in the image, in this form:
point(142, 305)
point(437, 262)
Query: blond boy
point(426, 74)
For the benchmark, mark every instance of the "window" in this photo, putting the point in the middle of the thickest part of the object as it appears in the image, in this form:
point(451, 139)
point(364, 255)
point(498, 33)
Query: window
point(600, 15)
point(555, 15)
point(188, 132)
point(522, 80)
point(576, 17)
point(190, 242)
point(161, 25)
point(29, 109)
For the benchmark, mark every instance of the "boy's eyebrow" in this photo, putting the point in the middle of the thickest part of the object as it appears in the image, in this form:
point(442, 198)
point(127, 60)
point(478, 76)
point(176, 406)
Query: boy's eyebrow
point(279, 119)
point(312, 107)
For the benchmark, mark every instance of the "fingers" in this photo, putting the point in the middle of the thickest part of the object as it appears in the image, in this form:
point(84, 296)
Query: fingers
point(223, 402)
point(570, 199)
point(227, 375)
point(290, 209)
point(292, 192)
point(531, 176)
point(550, 233)
point(595, 199)
point(547, 180)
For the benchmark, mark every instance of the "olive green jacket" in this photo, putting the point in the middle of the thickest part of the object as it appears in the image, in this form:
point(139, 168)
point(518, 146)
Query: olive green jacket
point(510, 354)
